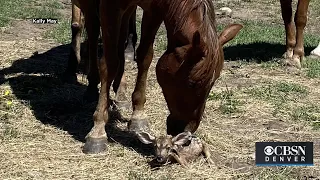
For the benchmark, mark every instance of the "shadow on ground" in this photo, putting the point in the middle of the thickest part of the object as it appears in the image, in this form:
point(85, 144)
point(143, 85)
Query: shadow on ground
point(258, 52)
point(36, 80)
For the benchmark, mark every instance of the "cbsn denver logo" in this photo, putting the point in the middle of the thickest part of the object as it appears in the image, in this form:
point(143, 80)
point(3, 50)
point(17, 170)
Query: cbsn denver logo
point(284, 153)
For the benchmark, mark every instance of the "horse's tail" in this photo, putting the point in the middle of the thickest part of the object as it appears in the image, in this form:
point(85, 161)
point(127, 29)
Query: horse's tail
point(229, 33)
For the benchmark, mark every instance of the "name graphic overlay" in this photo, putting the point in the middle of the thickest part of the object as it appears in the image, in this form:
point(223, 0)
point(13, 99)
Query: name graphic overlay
point(44, 21)
point(284, 153)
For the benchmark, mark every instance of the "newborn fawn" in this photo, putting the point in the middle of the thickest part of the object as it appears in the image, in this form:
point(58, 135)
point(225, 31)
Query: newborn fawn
point(182, 148)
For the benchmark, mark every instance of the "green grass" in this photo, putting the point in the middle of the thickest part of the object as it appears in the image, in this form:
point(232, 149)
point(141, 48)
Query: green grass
point(309, 113)
point(277, 173)
point(313, 67)
point(229, 103)
point(60, 33)
point(26, 9)
point(254, 31)
point(279, 91)
point(270, 65)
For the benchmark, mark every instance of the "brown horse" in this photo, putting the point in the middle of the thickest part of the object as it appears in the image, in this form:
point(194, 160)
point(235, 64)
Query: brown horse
point(294, 32)
point(186, 72)
point(92, 28)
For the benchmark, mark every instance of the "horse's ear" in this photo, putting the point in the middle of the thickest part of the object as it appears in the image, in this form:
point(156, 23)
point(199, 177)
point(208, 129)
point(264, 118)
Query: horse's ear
point(196, 39)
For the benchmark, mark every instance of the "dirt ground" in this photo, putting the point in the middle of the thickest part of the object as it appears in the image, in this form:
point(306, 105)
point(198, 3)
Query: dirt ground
point(43, 122)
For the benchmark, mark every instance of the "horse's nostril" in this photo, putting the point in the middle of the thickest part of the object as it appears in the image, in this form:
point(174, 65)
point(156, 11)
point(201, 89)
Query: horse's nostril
point(159, 158)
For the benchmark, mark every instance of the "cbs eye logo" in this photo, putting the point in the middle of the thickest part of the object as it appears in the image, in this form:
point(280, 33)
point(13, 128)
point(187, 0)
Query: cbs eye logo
point(268, 150)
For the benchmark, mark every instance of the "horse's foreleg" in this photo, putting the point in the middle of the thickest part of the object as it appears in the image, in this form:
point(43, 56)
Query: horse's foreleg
point(286, 9)
point(110, 16)
point(151, 22)
point(120, 84)
point(300, 21)
point(93, 29)
point(74, 56)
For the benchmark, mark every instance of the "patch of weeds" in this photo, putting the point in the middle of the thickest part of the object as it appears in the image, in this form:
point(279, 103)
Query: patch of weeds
point(27, 9)
point(61, 33)
point(160, 44)
point(280, 91)
point(274, 173)
point(7, 99)
point(9, 133)
point(309, 113)
point(313, 67)
point(229, 104)
point(270, 65)
point(280, 109)
point(134, 175)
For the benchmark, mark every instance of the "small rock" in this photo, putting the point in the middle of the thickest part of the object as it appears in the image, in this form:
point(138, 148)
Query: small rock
point(224, 11)
point(316, 52)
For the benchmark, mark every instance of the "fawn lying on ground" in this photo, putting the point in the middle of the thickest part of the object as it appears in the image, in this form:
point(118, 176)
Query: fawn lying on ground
point(182, 148)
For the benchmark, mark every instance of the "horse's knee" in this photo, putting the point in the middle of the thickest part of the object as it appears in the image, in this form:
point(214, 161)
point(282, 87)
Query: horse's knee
point(300, 20)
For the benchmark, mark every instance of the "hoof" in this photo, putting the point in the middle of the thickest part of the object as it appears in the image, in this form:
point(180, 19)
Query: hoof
point(69, 78)
point(294, 62)
point(95, 145)
point(138, 125)
point(91, 95)
point(122, 105)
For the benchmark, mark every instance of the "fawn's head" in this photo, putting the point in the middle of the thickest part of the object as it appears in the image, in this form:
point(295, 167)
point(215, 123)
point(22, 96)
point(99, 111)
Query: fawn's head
point(164, 144)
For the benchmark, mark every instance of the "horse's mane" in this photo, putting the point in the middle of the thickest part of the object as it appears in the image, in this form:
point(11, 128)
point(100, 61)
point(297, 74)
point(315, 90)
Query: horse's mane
point(179, 10)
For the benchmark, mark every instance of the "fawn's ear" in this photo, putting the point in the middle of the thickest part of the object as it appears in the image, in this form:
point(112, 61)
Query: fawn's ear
point(146, 138)
point(229, 33)
point(182, 138)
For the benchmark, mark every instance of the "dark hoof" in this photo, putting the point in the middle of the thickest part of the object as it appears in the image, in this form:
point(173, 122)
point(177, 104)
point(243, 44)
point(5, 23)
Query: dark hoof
point(69, 78)
point(91, 95)
point(136, 126)
point(95, 146)
point(125, 105)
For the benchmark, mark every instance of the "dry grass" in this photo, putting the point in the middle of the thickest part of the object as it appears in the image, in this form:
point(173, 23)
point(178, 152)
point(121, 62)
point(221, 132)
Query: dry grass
point(43, 122)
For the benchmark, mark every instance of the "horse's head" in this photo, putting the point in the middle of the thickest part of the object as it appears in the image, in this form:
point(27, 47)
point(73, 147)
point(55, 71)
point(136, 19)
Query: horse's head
point(186, 76)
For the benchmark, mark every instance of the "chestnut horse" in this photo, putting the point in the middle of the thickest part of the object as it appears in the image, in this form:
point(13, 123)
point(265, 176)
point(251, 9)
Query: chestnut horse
point(186, 72)
point(92, 26)
point(294, 30)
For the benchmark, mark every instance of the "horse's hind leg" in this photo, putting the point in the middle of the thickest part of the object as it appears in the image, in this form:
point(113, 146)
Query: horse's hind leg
point(133, 29)
point(300, 21)
point(74, 56)
point(110, 16)
point(120, 84)
point(151, 22)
